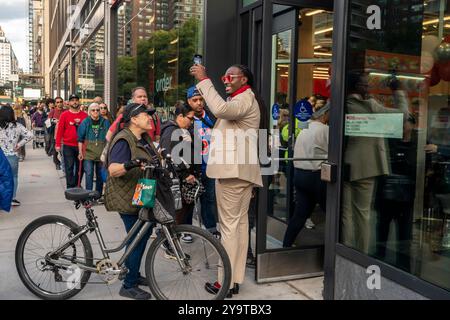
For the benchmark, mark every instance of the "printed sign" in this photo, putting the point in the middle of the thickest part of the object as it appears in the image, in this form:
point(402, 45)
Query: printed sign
point(303, 110)
point(375, 125)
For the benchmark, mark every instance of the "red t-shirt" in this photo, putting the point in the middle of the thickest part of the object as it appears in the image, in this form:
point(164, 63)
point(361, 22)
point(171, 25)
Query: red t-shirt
point(56, 113)
point(67, 128)
point(153, 132)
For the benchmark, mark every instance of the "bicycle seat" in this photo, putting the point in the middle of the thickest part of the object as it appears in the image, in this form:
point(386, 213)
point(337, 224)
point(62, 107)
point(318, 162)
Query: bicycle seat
point(78, 194)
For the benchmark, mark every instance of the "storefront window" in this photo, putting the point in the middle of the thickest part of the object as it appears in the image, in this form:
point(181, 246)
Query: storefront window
point(90, 68)
point(396, 188)
point(292, 104)
point(157, 56)
point(248, 2)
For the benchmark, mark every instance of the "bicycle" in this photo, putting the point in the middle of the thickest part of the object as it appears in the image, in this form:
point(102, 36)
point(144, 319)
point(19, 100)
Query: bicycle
point(63, 265)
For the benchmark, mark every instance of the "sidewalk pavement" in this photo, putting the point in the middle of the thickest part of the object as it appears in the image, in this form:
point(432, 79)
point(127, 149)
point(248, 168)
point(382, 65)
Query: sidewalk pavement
point(41, 192)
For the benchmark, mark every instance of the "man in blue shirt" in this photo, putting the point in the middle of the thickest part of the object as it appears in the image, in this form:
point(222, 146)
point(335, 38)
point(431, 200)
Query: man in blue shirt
point(201, 130)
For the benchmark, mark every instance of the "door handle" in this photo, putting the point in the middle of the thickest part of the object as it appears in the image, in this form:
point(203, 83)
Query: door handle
point(328, 172)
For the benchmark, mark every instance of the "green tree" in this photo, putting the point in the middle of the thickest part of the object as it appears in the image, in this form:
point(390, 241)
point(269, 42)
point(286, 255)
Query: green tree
point(126, 76)
point(156, 59)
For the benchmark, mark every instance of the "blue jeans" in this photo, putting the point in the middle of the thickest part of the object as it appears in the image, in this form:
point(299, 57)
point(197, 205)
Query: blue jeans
point(89, 167)
point(209, 204)
point(14, 163)
point(133, 262)
point(72, 166)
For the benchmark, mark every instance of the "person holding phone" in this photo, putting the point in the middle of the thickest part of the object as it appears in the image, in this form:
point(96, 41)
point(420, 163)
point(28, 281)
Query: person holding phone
point(243, 111)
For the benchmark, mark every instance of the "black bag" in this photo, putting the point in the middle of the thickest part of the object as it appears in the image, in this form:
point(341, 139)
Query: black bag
point(191, 192)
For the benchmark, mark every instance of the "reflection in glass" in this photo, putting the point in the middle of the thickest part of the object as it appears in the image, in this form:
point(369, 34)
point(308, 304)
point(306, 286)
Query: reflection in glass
point(396, 188)
point(156, 50)
point(90, 68)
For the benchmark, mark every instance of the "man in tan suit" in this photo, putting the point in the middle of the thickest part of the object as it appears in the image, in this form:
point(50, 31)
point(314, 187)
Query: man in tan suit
point(366, 159)
point(233, 160)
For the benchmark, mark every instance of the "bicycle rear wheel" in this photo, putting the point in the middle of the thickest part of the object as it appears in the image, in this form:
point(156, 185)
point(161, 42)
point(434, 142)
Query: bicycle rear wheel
point(44, 279)
point(207, 261)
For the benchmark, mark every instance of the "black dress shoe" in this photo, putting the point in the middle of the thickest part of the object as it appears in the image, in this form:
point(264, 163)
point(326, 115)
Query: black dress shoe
point(235, 289)
point(214, 289)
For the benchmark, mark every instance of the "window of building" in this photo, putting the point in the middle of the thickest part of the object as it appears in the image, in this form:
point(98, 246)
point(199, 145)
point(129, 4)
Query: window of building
point(163, 59)
point(90, 68)
point(396, 189)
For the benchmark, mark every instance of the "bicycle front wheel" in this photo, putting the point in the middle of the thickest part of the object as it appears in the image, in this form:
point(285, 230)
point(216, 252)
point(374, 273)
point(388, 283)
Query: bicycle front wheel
point(206, 262)
point(44, 279)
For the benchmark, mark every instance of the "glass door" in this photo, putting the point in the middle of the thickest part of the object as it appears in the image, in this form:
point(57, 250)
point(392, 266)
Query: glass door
point(300, 85)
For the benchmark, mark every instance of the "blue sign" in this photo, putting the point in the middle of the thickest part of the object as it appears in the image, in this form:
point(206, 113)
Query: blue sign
point(303, 110)
point(276, 111)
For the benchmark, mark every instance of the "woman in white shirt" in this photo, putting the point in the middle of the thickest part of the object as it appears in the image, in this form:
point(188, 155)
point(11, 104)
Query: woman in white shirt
point(13, 136)
point(310, 189)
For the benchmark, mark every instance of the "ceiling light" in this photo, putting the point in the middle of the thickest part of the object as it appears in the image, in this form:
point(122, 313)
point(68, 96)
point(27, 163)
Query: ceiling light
point(434, 21)
point(324, 30)
point(312, 13)
point(323, 54)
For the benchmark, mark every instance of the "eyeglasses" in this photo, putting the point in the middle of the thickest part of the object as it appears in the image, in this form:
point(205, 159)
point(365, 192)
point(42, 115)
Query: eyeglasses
point(95, 110)
point(230, 77)
point(103, 108)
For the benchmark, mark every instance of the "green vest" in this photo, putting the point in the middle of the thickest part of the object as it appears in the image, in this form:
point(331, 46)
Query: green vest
point(119, 191)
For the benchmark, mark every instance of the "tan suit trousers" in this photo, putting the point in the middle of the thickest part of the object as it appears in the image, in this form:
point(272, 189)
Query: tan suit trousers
point(233, 200)
point(356, 213)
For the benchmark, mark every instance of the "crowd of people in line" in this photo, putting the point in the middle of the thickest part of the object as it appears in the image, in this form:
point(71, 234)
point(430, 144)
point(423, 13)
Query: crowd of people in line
point(90, 144)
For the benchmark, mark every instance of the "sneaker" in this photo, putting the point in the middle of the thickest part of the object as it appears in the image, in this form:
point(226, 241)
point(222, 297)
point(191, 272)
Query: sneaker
point(309, 224)
point(100, 201)
point(214, 288)
point(135, 293)
point(142, 281)
point(187, 238)
point(15, 203)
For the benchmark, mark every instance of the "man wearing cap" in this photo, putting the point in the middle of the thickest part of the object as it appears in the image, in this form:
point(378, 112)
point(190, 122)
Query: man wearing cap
point(139, 96)
point(310, 190)
point(128, 147)
point(204, 122)
point(67, 135)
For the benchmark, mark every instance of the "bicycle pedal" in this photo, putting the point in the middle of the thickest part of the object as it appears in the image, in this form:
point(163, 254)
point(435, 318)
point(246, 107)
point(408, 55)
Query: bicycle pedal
point(123, 274)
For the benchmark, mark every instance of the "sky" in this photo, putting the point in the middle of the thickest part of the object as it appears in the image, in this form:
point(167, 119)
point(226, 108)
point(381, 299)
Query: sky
point(14, 21)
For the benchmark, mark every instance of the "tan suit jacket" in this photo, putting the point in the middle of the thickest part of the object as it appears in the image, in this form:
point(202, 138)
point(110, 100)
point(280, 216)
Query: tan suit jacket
point(234, 139)
point(367, 157)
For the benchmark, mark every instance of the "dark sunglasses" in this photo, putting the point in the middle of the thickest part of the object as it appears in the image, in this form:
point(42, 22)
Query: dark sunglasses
point(95, 110)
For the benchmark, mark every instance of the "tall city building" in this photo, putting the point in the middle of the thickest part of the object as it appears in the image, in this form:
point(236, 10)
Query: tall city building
point(124, 28)
point(149, 16)
point(36, 35)
point(183, 10)
point(8, 61)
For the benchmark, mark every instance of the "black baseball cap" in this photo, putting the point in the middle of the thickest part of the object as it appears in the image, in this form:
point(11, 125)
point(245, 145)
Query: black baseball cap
point(134, 109)
point(74, 96)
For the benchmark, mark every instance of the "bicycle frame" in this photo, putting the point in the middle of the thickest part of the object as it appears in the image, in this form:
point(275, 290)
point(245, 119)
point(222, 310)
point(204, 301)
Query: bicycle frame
point(140, 228)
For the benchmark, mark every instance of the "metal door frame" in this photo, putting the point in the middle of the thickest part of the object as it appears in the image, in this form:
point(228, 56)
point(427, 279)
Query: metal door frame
point(281, 255)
